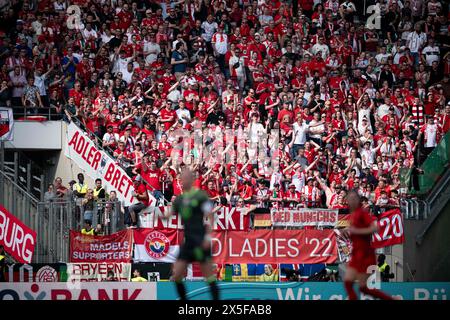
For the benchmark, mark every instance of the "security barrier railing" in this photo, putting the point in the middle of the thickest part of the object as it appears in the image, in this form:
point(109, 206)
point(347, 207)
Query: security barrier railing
point(33, 114)
point(106, 214)
point(415, 209)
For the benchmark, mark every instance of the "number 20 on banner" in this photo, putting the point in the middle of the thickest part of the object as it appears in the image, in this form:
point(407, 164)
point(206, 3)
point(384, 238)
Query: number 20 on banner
point(74, 18)
point(386, 223)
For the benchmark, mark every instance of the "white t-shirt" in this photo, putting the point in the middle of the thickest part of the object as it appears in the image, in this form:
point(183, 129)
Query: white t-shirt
point(88, 34)
point(154, 50)
point(299, 180)
point(174, 95)
point(316, 131)
point(37, 27)
point(105, 38)
point(300, 132)
point(367, 157)
point(110, 137)
point(382, 56)
point(121, 65)
point(364, 113)
point(416, 41)
point(220, 42)
point(209, 28)
point(383, 110)
point(39, 81)
point(430, 136)
point(255, 129)
point(126, 75)
point(239, 71)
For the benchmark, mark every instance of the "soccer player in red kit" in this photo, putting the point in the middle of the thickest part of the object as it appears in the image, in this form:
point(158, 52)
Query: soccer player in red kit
point(363, 255)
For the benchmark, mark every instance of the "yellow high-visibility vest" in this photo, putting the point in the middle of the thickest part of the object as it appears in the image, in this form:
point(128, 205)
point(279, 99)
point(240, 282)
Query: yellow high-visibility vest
point(81, 188)
point(97, 192)
point(2, 257)
point(139, 279)
point(88, 233)
point(383, 267)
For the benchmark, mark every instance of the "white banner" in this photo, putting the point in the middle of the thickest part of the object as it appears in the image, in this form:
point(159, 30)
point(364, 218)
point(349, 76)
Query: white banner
point(153, 217)
point(98, 271)
point(141, 254)
point(6, 124)
point(226, 218)
point(304, 217)
point(156, 245)
point(85, 291)
point(97, 164)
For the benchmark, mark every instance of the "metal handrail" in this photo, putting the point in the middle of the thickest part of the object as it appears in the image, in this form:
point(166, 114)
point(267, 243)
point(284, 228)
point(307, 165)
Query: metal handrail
point(440, 185)
point(32, 197)
point(25, 115)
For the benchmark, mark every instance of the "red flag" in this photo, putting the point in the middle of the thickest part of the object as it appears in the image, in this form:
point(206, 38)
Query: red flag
point(17, 239)
point(116, 247)
point(390, 229)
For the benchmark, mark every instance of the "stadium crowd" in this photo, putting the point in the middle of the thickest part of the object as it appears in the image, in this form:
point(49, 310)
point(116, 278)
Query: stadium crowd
point(294, 102)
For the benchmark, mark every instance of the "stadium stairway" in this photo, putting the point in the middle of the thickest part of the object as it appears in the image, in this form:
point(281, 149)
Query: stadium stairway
point(427, 222)
point(51, 222)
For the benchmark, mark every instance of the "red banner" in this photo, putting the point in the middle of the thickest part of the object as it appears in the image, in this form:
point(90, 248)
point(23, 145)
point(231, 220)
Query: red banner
point(274, 246)
point(17, 239)
point(390, 229)
point(116, 247)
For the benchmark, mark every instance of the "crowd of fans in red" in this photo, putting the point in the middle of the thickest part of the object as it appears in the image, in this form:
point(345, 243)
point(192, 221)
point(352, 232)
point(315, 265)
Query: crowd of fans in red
point(347, 101)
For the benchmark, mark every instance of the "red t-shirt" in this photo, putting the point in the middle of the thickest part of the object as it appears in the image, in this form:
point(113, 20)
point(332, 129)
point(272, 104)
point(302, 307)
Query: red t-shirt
point(141, 189)
point(77, 96)
point(152, 178)
point(165, 115)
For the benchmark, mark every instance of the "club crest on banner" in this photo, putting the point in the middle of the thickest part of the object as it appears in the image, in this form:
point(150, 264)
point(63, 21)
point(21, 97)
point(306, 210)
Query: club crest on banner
point(46, 274)
point(157, 244)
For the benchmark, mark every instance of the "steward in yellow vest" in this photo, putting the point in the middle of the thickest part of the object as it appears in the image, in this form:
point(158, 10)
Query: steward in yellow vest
point(384, 268)
point(81, 188)
point(137, 276)
point(99, 191)
point(88, 230)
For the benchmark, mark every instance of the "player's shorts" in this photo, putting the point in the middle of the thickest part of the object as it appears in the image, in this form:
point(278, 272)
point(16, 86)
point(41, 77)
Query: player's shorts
point(194, 253)
point(361, 261)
